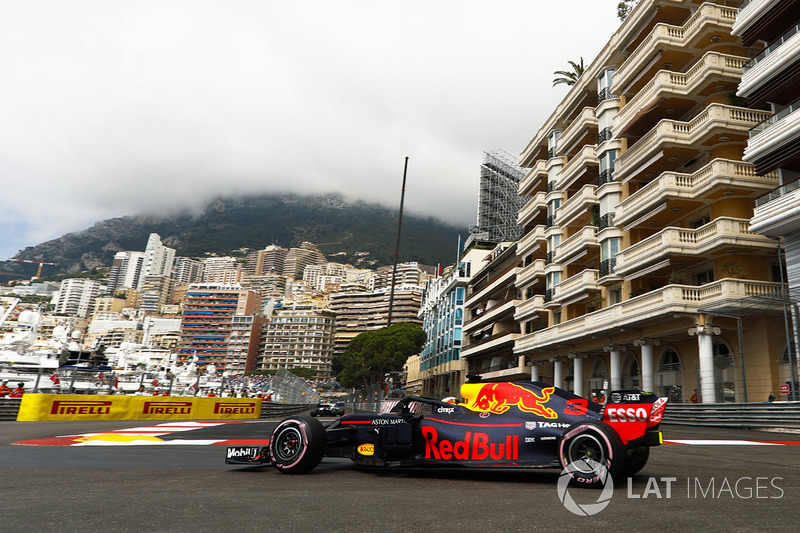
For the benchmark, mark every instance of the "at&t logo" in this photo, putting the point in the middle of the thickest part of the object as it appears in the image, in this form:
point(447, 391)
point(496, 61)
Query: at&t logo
point(587, 509)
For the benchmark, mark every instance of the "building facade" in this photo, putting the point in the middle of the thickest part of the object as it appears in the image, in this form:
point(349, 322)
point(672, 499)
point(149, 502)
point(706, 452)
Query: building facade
point(299, 336)
point(636, 230)
point(220, 326)
point(76, 297)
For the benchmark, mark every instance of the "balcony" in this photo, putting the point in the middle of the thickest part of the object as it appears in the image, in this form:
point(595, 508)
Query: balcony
point(535, 180)
point(490, 343)
point(774, 67)
point(605, 135)
point(577, 244)
point(578, 132)
point(532, 241)
point(776, 212)
point(715, 238)
point(656, 305)
point(710, 181)
point(531, 212)
point(681, 90)
point(709, 20)
point(528, 274)
point(502, 281)
point(584, 164)
point(495, 313)
point(577, 285)
point(606, 221)
point(775, 140)
point(530, 307)
point(707, 127)
point(605, 176)
point(577, 209)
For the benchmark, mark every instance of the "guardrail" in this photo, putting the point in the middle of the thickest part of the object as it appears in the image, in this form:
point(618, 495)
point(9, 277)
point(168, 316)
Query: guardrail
point(9, 407)
point(735, 415)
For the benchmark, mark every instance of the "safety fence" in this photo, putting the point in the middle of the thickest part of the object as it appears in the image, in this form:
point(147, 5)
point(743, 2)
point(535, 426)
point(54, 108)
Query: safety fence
point(9, 407)
point(735, 415)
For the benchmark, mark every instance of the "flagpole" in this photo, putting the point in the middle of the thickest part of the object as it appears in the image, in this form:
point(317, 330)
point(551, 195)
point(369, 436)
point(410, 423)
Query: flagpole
point(397, 245)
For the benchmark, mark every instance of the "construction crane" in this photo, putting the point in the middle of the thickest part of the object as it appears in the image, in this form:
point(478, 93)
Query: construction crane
point(41, 264)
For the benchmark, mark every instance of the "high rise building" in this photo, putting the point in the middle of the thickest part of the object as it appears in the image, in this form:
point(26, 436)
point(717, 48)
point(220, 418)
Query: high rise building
point(298, 336)
point(188, 270)
point(125, 271)
point(158, 259)
point(269, 260)
point(216, 266)
point(772, 78)
point(297, 259)
point(76, 297)
point(636, 230)
point(220, 326)
point(409, 273)
point(154, 293)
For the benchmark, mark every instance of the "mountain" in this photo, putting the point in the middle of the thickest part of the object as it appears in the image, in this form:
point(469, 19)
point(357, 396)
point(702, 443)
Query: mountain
point(332, 223)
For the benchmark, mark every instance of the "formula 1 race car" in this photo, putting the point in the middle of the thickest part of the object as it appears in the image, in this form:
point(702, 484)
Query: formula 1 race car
point(496, 425)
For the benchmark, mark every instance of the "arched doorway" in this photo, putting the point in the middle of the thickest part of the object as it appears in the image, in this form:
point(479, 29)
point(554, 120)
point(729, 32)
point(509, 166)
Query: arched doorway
point(631, 376)
point(668, 380)
point(599, 378)
point(724, 373)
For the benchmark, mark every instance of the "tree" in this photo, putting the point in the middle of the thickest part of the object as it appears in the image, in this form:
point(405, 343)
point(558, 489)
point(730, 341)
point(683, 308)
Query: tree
point(569, 78)
point(372, 354)
point(624, 8)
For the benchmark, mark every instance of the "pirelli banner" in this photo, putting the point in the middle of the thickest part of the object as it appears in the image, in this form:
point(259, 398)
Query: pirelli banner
point(36, 407)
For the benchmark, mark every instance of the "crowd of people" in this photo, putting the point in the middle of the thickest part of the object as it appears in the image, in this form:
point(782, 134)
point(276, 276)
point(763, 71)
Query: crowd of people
point(6, 391)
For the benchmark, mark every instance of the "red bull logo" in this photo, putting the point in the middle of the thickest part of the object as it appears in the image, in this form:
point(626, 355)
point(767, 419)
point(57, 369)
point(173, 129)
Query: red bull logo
point(80, 407)
point(167, 408)
point(499, 397)
point(474, 447)
point(234, 408)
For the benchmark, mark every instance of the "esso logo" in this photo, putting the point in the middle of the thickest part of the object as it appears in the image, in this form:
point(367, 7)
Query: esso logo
point(627, 414)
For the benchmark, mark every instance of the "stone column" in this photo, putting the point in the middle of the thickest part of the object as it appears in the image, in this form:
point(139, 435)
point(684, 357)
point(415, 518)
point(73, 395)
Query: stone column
point(535, 371)
point(705, 345)
point(577, 372)
point(558, 372)
point(615, 368)
point(648, 373)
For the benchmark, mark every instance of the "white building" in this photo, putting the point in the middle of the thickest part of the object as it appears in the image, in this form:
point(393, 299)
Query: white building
point(76, 297)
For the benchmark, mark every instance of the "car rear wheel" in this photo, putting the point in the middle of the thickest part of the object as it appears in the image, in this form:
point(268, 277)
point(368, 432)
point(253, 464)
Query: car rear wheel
point(297, 445)
point(589, 448)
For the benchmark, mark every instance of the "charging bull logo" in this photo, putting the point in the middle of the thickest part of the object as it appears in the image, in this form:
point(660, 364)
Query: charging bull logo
point(499, 397)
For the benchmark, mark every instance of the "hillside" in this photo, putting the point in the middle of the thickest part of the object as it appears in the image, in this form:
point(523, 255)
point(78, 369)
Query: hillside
point(228, 224)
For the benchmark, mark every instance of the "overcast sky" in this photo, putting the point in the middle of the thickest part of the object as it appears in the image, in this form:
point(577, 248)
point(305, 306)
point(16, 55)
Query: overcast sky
point(112, 108)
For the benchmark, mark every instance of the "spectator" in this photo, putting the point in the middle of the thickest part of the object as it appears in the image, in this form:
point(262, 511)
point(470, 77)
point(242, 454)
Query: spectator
point(4, 389)
point(18, 392)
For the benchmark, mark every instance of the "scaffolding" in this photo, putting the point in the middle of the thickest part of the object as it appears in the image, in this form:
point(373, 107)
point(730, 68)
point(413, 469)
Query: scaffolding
point(499, 201)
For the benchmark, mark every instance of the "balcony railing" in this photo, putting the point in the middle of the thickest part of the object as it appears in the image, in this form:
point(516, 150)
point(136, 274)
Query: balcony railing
point(606, 176)
point(607, 266)
point(551, 186)
point(771, 48)
point(606, 221)
point(605, 94)
point(548, 258)
point(604, 135)
point(549, 221)
point(769, 121)
point(552, 152)
point(548, 295)
point(778, 192)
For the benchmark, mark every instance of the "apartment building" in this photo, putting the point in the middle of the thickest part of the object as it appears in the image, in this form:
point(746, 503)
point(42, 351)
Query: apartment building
point(441, 367)
point(299, 336)
point(76, 297)
point(297, 259)
point(772, 79)
point(636, 229)
point(358, 310)
point(220, 326)
point(158, 259)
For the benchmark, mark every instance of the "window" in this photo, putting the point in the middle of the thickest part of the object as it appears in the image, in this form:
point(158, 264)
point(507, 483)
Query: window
point(615, 295)
point(609, 248)
point(706, 276)
point(702, 221)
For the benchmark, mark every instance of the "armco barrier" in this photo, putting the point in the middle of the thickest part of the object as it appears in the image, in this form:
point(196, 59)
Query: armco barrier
point(735, 415)
point(9, 407)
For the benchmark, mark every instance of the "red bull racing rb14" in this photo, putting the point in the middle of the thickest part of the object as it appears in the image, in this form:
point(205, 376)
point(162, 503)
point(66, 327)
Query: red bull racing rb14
point(495, 425)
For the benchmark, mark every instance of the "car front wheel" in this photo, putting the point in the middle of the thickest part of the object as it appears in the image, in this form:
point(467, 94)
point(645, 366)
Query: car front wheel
point(297, 445)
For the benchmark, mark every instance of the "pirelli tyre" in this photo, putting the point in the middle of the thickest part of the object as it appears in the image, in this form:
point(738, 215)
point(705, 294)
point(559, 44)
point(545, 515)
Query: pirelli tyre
point(587, 444)
point(297, 445)
point(635, 459)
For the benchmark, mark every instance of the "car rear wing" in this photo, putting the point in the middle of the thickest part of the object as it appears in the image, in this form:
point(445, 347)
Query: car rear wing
point(635, 415)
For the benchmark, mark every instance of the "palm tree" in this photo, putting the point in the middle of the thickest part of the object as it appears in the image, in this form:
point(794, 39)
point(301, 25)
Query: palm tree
point(569, 77)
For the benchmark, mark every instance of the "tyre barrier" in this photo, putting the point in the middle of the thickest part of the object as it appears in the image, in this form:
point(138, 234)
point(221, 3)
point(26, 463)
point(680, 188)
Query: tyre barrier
point(774, 415)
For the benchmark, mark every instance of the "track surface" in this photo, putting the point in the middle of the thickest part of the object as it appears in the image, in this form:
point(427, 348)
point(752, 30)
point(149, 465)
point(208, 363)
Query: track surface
point(117, 476)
